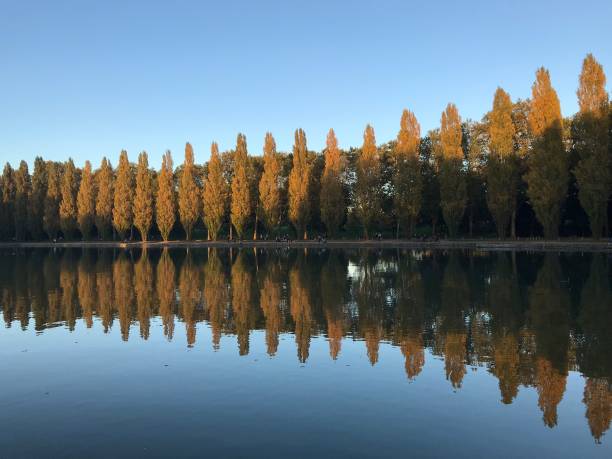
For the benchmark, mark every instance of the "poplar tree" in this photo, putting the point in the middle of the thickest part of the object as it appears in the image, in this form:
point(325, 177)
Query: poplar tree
point(299, 185)
point(407, 180)
point(269, 185)
point(143, 197)
point(501, 167)
point(7, 206)
point(332, 195)
point(68, 208)
point(23, 189)
point(36, 204)
point(188, 194)
point(241, 192)
point(547, 177)
point(104, 199)
point(453, 187)
point(52, 199)
point(123, 215)
point(592, 143)
point(86, 202)
point(367, 188)
point(165, 205)
point(215, 194)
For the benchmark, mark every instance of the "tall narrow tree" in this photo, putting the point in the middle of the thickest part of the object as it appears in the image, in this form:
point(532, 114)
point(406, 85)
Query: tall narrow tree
point(502, 166)
point(36, 205)
point(104, 199)
point(332, 195)
point(215, 194)
point(86, 202)
point(367, 188)
point(52, 199)
point(593, 169)
point(453, 187)
point(270, 186)
point(7, 204)
point(165, 205)
point(123, 215)
point(143, 197)
point(23, 190)
point(188, 193)
point(68, 207)
point(548, 176)
point(299, 185)
point(241, 192)
point(407, 180)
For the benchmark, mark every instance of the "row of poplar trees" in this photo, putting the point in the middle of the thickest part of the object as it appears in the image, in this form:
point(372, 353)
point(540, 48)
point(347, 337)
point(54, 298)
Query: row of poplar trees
point(523, 158)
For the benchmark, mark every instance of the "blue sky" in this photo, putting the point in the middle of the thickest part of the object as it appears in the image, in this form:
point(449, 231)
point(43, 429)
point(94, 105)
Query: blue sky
point(86, 79)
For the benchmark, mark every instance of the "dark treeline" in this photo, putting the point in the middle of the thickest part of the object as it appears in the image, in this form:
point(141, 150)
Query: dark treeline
point(521, 171)
point(526, 319)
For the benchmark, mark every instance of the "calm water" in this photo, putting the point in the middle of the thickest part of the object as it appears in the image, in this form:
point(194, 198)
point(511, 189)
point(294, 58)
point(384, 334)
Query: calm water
point(292, 353)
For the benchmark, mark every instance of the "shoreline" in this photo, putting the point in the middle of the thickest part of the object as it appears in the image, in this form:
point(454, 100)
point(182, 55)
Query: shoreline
point(604, 245)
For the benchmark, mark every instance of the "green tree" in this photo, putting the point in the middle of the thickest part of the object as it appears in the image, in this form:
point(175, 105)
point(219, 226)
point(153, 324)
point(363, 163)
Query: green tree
point(123, 215)
point(104, 199)
point(7, 206)
point(86, 202)
point(215, 194)
point(332, 193)
point(367, 188)
point(23, 190)
point(52, 199)
point(593, 169)
point(143, 198)
point(501, 167)
point(241, 192)
point(188, 194)
point(270, 185)
point(165, 205)
point(37, 199)
point(299, 185)
point(453, 187)
point(407, 180)
point(68, 207)
point(547, 176)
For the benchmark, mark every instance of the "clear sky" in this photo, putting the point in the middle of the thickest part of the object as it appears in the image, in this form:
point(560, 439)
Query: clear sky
point(88, 78)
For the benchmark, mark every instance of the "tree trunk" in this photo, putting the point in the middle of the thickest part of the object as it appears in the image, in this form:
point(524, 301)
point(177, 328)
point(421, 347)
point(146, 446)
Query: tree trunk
point(231, 235)
point(255, 229)
point(513, 223)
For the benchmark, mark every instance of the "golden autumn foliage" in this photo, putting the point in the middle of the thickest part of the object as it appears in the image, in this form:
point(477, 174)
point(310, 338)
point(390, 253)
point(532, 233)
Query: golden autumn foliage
point(216, 294)
point(188, 193)
point(407, 180)
point(165, 204)
point(502, 171)
point(240, 210)
point(123, 212)
point(547, 176)
point(68, 207)
point(104, 198)
point(332, 194)
point(367, 189)
point(594, 169)
point(598, 401)
point(453, 186)
point(215, 194)
point(86, 202)
point(299, 185)
point(270, 185)
point(143, 198)
point(166, 291)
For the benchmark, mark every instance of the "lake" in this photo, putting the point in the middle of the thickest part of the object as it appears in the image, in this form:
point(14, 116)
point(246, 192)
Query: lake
point(301, 353)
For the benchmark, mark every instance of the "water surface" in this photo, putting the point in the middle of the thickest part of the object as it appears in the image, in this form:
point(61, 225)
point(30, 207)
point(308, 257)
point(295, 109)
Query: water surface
point(276, 353)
